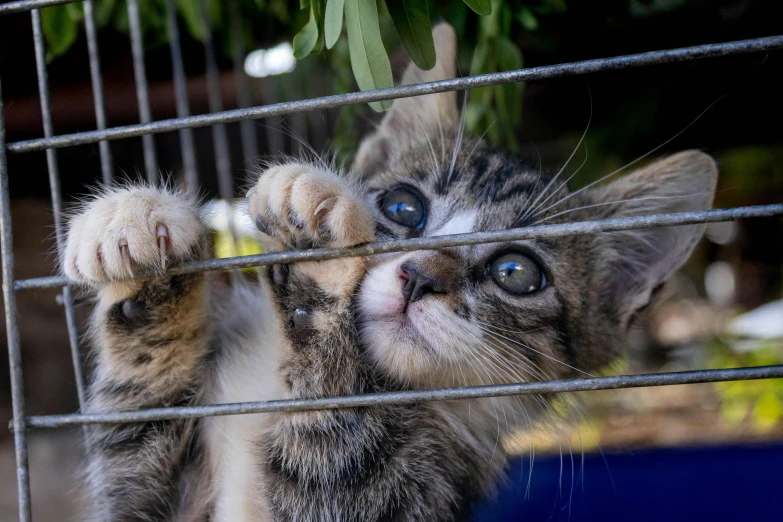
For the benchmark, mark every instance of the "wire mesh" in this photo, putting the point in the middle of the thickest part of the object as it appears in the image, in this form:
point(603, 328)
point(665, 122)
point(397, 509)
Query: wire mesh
point(54, 187)
point(184, 124)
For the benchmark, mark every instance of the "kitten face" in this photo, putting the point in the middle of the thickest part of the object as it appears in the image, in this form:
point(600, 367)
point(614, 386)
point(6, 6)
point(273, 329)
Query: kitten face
point(519, 311)
point(463, 315)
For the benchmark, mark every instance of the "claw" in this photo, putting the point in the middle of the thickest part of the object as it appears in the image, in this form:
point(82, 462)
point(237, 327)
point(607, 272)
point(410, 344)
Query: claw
point(126, 258)
point(163, 245)
point(327, 204)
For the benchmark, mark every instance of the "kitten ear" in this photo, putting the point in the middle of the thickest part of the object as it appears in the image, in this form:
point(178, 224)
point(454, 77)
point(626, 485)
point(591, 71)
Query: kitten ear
point(409, 118)
point(638, 261)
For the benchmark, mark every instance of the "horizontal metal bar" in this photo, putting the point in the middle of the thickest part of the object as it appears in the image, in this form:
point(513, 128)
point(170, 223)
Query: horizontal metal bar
point(405, 91)
point(28, 5)
point(413, 397)
point(435, 242)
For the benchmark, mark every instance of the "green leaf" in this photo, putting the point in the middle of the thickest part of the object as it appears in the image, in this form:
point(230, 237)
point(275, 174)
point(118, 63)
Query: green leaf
point(482, 7)
point(333, 21)
point(305, 40)
point(191, 13)
point(528, 20)
point(59, 30)
point(412, 21)
point(318, 8)
point(369, 60)
point(75, 11)
point(102, 10)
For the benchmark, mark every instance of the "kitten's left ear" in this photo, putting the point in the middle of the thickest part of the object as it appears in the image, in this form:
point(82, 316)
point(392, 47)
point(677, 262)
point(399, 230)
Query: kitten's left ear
point(634, 262)
point(409, 119)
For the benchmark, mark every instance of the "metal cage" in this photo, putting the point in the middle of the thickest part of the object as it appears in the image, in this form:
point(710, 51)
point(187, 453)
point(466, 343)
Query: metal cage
point(184, 123)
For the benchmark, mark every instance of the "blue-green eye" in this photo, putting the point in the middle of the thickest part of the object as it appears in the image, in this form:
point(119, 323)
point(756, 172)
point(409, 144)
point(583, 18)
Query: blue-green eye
point(404, 206)
point(516, 273)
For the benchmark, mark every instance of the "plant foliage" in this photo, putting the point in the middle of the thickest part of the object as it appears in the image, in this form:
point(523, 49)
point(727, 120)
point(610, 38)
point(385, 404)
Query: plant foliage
point(357, 34)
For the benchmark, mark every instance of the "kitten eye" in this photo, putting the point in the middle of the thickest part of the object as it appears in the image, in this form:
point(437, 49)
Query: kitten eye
point(404, 206)
point(516, 273)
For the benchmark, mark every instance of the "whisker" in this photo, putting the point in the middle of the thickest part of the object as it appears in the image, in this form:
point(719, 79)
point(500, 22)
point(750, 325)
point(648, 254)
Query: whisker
point(604, 203)
point(579, 143)
point(541, 353)
point(535, 212)
point(458, 141)
point(640, 158)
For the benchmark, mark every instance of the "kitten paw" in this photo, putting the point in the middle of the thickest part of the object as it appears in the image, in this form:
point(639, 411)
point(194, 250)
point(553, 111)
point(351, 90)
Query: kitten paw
point(130, 231)
point(303, 206)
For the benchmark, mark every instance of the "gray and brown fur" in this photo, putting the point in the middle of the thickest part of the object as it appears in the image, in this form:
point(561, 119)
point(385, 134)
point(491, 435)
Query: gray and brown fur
point(343, 327)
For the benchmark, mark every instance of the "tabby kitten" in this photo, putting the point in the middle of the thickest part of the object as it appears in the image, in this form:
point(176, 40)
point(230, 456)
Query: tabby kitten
point(517, 311)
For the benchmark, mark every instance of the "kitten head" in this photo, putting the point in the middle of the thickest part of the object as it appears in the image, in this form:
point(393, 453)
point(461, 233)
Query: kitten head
point(517, 311)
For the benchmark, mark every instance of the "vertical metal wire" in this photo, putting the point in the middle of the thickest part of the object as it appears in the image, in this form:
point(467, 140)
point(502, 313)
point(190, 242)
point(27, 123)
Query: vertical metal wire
point(181, 100)
point(97, 88)
point(219, 136)
point(12, 332)
point(54, 186)
point(148, 141)
point(219, 133)
point(275, 139)
point(247, 128)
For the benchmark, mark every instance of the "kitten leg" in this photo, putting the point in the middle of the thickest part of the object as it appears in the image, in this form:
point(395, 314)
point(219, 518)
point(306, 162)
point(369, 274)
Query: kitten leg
point(299, 206)
point(373, 463)
point(149, 341)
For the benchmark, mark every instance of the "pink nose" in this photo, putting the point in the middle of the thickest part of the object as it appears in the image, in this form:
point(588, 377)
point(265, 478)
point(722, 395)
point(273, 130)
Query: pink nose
point(416, 284)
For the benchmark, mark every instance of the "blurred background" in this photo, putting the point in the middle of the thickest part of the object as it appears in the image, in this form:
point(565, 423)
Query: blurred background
point(724, 309)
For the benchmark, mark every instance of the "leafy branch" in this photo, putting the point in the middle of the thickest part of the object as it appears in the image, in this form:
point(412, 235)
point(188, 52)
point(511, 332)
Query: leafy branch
point(356, 34)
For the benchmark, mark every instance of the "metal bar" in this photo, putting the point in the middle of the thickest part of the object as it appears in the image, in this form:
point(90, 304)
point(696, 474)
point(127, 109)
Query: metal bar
point(97, 88)
point(247, 128)
point(54, 187)
point(435, 242)
point(12, 332)
point(404, 91)
point(413, 397)
point(21, 6)
point(219, 135)
point(181, 100)
point(147, 141)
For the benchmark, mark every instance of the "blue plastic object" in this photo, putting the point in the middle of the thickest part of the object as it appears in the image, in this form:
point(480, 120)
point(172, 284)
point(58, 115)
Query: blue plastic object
point(662, 485)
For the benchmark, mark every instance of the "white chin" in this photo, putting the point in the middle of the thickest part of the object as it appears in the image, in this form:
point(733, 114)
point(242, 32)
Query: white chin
point(397, 348)
point(389, 334)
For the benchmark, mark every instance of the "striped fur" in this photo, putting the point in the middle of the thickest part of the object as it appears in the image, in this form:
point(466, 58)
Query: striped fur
point(344, 326)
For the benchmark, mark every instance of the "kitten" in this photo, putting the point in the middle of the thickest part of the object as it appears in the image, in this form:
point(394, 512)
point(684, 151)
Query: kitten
point(517, 311)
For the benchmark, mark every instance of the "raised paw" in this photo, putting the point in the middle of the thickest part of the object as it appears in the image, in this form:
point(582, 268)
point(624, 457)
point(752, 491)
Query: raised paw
point(129, 231)
point(298, 205)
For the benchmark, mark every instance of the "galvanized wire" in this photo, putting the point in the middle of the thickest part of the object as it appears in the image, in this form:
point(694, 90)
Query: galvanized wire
point(247, 128)
point(56, 195)
point(142, 94)
point(12, 332)
point(97, 88)
point(28, 5)
point(219, 134)
point(181, 100)
point(435, 242)
point(413, 397)
point(404, 91)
